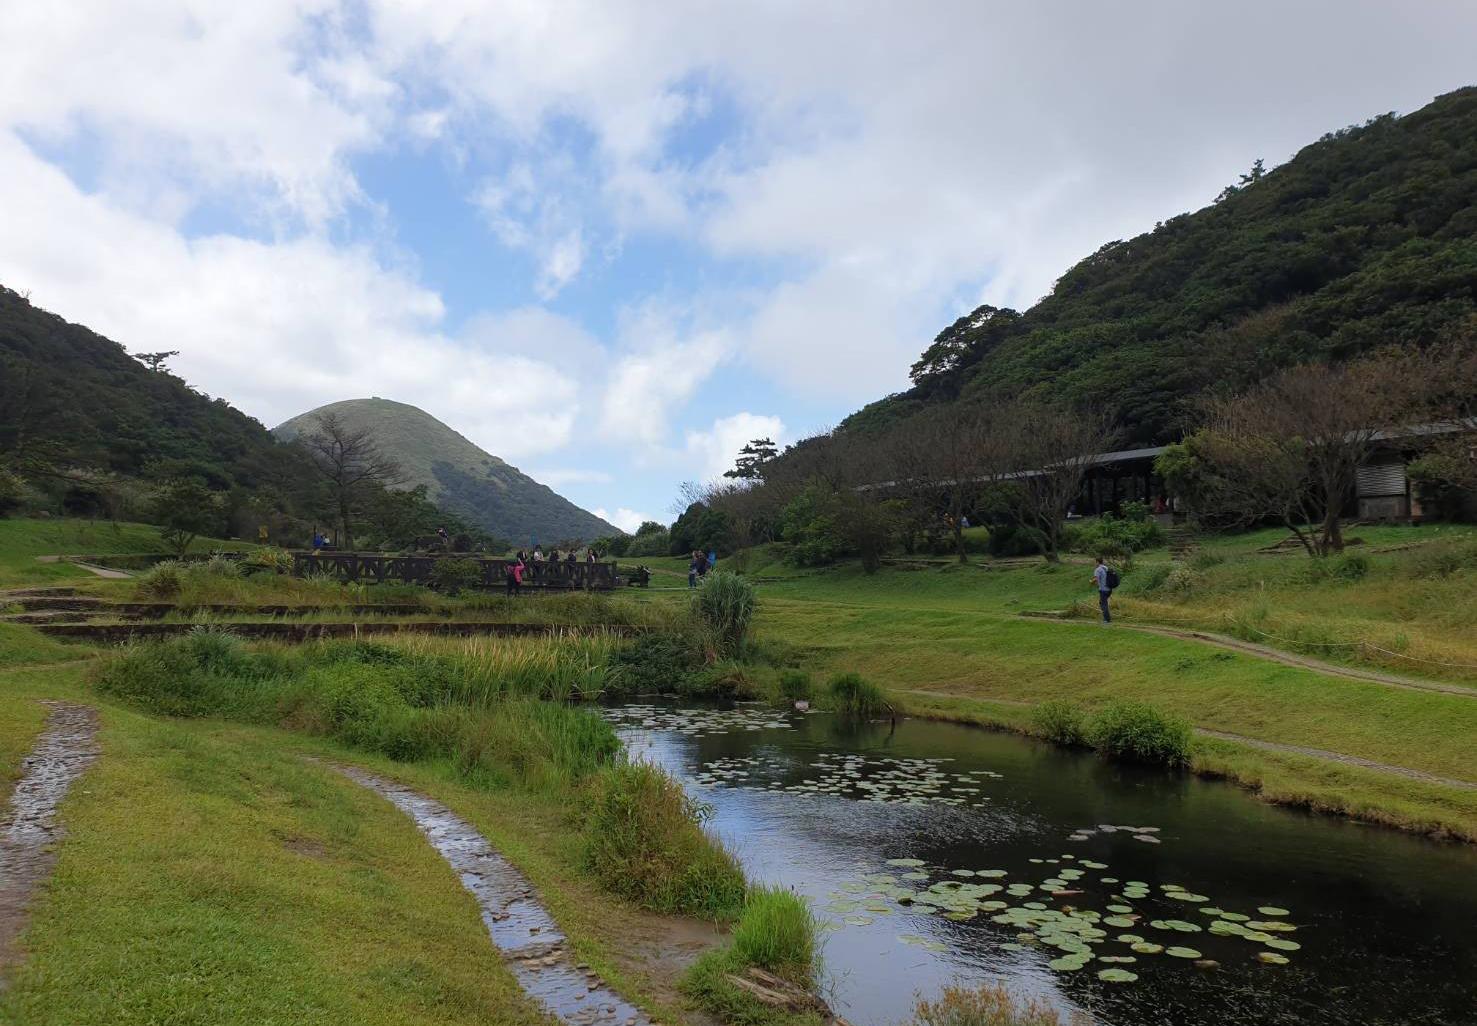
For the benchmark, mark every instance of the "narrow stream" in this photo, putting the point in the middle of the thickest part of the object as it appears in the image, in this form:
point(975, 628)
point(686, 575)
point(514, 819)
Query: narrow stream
point(937, 853)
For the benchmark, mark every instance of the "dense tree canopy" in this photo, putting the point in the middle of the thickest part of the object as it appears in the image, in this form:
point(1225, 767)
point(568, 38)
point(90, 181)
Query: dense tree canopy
point(1366, 238)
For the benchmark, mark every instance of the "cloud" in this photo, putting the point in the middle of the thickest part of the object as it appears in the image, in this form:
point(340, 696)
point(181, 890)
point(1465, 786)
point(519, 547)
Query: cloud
point(626, 519)
point(665, 362)
point(278, 327)
point(714, 451)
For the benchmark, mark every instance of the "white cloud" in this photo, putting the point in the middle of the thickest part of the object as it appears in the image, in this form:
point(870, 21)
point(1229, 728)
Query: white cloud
point(712, 452)
point(626, 519)
point(663, 367)
point(278, 328)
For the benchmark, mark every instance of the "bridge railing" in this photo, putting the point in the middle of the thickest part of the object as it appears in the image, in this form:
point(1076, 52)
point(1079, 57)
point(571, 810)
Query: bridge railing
point(378, 568)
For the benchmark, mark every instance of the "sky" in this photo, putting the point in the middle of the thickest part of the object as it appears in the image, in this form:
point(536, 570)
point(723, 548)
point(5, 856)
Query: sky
point(611, 241)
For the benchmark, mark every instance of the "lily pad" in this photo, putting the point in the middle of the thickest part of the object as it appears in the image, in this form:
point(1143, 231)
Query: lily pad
point(858, 920)
point(1273, 910)
point(1120, 909)
point(1117, 976)
point(1282, 945)
point(1119, 959)
point(1068, 963)
point(1122, 922)
point(1178, 952)
point(1147, 948)
point(906, 863)
point(1272, 958)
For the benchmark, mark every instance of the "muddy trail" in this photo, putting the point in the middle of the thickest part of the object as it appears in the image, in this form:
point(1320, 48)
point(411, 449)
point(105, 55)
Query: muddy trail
point(520, 926)
point(29, 832)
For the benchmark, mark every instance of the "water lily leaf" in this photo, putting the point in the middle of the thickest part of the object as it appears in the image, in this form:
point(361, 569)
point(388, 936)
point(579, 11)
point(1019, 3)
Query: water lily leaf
point(906, 863)
point(1235, 917)
point(1068, 963)
point(1130, 938)
point(1210, 910)
point(1012, 947)
point(1272, 958)
point(1273, 910)
point(1119, 921)
point(1282, 945)
point(1117, 976)
point(1120, 959)
point(1147, 948)
point(858, 920)
point(1120, 909)
point(1178, 952)
point(961, 872)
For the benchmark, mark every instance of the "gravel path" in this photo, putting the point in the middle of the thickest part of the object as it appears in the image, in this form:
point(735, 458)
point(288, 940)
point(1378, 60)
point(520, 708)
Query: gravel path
point(519, 925)
point(29, 832)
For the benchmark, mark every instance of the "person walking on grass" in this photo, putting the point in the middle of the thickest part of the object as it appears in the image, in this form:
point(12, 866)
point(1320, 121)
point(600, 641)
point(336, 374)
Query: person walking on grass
point(1106, 580)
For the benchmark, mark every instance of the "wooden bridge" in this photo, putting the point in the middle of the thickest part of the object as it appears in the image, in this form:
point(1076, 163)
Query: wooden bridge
point(377, 568)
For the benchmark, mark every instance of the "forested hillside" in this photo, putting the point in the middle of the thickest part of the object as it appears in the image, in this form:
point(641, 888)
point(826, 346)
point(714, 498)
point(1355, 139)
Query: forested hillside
point(1367, 237)
point(70, 398)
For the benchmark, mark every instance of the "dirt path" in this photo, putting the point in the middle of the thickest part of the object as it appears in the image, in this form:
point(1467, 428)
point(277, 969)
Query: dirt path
point(521, 928)
point(1348, 760)
point(1276, 655)
point(100, 571)
point(29, 833)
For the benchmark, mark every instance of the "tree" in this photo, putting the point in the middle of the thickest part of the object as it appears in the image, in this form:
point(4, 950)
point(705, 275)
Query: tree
point(752, 459)
point(352, 465)
point(155, 361)
point(1290, 448)
point(1054, 445)
point(945, 460)
point(184, 509)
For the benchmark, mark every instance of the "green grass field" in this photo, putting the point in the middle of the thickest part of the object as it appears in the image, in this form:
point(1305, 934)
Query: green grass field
point(22, 540)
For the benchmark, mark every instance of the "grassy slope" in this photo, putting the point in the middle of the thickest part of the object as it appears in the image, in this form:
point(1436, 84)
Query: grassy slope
point(21, 541)
point(954, 631)
point(213, 874)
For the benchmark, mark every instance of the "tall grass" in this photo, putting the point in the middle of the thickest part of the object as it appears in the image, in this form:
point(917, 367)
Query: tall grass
point(777, 932)
point(990, 1005)
point(725, 605)
point(852, 695)
point(644, 840)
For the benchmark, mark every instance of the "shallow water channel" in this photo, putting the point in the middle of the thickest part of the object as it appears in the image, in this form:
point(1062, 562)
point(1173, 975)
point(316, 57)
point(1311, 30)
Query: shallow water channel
point(936, 853)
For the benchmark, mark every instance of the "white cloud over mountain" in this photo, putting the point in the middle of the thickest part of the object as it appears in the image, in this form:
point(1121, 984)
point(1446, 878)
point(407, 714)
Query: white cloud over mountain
point(186, 174)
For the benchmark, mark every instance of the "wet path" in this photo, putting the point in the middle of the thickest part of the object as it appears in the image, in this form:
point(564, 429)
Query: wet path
point(521, 928)
point(29, 832)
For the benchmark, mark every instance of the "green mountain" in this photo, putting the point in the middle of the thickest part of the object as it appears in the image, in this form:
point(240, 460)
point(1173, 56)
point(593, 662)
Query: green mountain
point(458, 475)
point(1366, 238)
point(72, 399)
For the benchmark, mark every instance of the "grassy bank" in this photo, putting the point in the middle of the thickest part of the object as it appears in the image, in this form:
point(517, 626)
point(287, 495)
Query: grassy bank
point(212, 872)
point(23, 540)
point(947, 640)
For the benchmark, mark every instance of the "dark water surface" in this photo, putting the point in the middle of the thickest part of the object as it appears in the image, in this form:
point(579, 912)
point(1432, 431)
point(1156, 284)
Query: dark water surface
point(1385, 923)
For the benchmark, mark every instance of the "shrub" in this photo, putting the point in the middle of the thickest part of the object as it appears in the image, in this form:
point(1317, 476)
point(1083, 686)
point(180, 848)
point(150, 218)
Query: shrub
point(12, 492)
point(725, 605)
point(1151, 578)
point(450, 576)
point(1010, 540)
point(721, 681)
point(644, 840)
point(855, 696)
point(219, 565)
point(651, 543)
point(162, 580)
point(1136, 732)
point(776, 931)
point(658, 663)
point(1060, 721)
point(989, 1005)
point(1182, 579)
point(1353, 567)
point(795, 686)
point(1108, 533)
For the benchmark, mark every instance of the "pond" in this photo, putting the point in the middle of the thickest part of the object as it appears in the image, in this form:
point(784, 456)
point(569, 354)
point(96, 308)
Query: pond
point(936, 853)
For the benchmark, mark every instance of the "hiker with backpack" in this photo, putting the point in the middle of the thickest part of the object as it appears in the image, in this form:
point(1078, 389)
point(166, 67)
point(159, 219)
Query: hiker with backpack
point(1106, 579)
